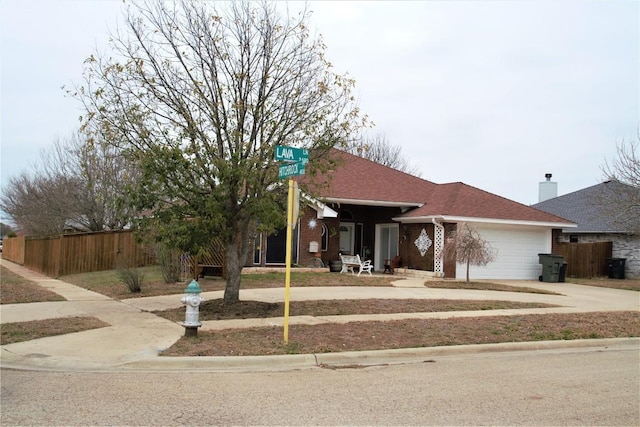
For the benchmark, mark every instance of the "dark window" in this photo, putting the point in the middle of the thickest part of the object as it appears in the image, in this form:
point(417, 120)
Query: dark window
point(325, 238)
point(345, 214)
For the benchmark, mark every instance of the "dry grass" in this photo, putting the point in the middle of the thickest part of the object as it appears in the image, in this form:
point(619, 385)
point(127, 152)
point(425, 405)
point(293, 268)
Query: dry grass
point(26, 331)
point(358, 336)
point(484, 286)
point(108, 283)
point(603, 282)
point(217, 310)
point(16, 289)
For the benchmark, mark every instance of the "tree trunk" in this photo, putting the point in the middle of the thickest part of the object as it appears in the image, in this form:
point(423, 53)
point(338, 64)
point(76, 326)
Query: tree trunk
point(234, 269)
point(468, 262)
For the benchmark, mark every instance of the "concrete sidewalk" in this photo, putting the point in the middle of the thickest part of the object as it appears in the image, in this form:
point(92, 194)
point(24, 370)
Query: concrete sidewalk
point(136, 337)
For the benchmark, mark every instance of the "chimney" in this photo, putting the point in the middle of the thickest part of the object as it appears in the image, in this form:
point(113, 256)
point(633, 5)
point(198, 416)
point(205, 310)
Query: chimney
point(547, 189)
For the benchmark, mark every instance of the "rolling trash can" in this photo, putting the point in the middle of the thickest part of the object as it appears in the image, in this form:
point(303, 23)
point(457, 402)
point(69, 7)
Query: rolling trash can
point(615, 268)
point(563, 272)
point(551, 267)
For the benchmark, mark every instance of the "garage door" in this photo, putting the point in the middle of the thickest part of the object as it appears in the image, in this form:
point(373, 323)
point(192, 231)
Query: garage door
point(517, 253)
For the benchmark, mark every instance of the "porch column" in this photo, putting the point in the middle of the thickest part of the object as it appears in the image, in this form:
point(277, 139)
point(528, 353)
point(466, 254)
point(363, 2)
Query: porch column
point(438, 248)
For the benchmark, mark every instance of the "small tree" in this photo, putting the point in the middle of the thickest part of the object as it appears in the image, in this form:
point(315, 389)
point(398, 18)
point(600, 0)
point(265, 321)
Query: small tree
point(468, 247)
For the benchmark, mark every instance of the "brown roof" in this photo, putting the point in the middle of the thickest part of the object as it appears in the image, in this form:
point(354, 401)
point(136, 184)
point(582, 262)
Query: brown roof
point(356, 178)
point(462, 200)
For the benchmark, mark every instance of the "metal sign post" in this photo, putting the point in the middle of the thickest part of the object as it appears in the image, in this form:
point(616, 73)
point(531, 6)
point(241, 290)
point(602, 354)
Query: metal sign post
point(296, 159)
point(287, 278)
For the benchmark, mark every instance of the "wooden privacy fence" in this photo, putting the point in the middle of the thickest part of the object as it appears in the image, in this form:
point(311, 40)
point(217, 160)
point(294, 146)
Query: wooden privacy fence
point(13, 249)
point(78, 253)
point(585, 259)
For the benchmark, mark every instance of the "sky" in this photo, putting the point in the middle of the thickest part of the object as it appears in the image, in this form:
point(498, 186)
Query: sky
point(492, 93)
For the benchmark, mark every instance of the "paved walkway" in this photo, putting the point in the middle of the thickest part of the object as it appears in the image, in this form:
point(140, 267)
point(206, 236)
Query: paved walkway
point(135, 337)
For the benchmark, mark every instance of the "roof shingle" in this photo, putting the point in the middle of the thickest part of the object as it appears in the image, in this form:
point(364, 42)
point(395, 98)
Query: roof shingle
point(588, 208)
point(360, 179)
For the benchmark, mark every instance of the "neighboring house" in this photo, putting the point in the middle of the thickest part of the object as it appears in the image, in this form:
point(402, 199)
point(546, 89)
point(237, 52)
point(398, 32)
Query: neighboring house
point(377, 212)
point(598, 220)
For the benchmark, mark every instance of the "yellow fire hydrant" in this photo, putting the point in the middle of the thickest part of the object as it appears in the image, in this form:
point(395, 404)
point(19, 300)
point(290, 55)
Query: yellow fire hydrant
point(192, 300)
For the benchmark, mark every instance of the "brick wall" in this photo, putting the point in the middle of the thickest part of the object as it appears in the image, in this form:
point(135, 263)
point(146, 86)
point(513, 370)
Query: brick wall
point(410, 254)
point(308, 235)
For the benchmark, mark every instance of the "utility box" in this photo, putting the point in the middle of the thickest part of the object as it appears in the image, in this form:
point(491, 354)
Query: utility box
point(552, 266)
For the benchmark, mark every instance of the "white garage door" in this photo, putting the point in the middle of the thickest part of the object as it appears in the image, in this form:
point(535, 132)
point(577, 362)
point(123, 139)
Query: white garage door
point(517, 253)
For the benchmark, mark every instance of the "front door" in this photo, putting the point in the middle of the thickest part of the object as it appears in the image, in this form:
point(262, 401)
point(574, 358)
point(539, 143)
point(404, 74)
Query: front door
point(386, 243)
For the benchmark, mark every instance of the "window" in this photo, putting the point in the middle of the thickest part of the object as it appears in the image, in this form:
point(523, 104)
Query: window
point(325, 238)
point(346, 215)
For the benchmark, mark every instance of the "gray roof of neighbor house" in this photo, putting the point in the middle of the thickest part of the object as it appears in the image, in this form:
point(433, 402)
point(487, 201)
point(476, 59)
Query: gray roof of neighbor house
point(360, 181)
point(592, 208)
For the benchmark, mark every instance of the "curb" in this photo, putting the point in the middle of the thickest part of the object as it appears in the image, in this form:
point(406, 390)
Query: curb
point(363, 359)
point(346, 360)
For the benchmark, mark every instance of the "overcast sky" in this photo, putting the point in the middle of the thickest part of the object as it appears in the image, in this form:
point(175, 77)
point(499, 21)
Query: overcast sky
point(493, 94)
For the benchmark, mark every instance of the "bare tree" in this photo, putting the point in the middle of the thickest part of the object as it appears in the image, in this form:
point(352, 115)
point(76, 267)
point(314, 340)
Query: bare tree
point(38, 205)
point(378, 149)
point(6, 230)
point(103, 171)
point(620, 201)
point(76, 185)
point(201, 97)
point(468, 247)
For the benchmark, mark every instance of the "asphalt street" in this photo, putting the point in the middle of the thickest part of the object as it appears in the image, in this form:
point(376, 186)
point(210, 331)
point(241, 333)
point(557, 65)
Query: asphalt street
point(585, 386)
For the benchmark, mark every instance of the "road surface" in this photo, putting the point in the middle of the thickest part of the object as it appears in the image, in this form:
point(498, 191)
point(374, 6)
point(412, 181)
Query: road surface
point(553, 387)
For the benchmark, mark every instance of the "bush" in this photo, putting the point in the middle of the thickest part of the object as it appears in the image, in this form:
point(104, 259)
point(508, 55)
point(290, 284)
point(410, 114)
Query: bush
point(131, 276)
point(169, 261)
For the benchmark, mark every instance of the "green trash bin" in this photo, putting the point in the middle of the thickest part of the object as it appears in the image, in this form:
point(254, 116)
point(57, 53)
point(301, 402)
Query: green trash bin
point(551, 267)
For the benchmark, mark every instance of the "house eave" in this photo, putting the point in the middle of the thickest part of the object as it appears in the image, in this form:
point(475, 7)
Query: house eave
point(322, 210)
point(381, 203)
point(456, 219)
point(630, 233)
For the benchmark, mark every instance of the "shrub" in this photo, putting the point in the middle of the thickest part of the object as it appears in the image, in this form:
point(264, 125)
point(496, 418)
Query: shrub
point(169, 261)
point(130, 276)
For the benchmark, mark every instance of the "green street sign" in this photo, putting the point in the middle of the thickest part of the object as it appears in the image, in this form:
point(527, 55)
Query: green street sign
point(292, 154)
point(291, 169)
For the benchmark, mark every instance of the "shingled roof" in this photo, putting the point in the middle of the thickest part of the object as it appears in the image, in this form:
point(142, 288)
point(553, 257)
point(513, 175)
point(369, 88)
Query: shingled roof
point(587, 208)
point(356, 179)
point(361, 181)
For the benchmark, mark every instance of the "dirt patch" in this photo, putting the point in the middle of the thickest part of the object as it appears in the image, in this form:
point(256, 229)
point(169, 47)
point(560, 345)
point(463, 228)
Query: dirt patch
point(358, 336)
point(217, 310)
point(25, 331)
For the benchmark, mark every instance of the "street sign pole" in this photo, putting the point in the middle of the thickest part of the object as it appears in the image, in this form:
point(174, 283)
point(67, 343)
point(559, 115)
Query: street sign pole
point(295, 161)
point(287, 280)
